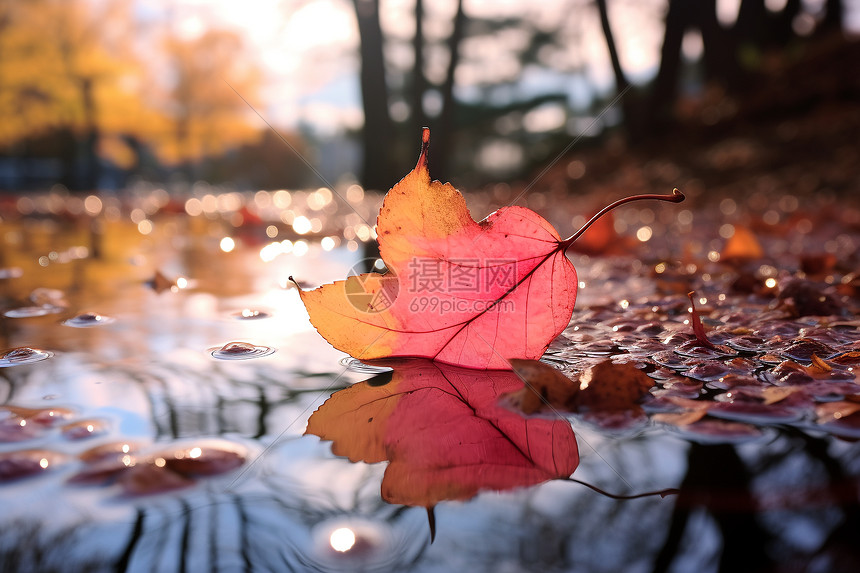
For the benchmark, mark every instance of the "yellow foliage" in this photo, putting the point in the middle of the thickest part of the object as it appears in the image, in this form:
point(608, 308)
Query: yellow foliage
point(79, 65)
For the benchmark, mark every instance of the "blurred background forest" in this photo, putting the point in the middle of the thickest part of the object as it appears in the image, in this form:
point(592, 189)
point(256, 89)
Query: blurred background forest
point(100, 94)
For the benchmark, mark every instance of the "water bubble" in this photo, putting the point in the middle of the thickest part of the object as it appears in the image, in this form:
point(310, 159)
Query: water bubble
point(88, 319)
point(240, 351)
point(23, 355)
point(250, 314)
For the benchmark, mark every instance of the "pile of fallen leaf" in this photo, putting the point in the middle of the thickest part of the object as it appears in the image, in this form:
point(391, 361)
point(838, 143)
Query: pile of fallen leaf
point(765, 340)
point(757, 365)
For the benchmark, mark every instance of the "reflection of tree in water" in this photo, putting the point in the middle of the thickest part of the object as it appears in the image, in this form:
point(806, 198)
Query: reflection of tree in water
point(204, 532)
point(785, 501)
point(785, 505)
point(265, 519)
point(799, 484)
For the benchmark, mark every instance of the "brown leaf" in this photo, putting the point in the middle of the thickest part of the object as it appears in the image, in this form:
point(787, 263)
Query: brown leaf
point(832, 411)
point(680, 418)
point(805, 298)
point(543, 384)
point(774, 394)
point(608, 386)
point(819, 366)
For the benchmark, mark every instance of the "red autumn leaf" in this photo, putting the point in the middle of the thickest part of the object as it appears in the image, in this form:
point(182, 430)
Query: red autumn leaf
point(444, 433)
point(468, 293)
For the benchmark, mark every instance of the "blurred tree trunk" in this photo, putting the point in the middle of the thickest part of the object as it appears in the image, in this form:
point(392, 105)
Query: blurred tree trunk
point(419, 80)
point(665, 88)
point(86, 163)
point(720, 49)
point(718, 483)
point(784, 24)
point(378, 131)
point(751, 27)
point(90, 166)
point(622, 86)
point(833, 14)
point(719, 53)
point(444, 132)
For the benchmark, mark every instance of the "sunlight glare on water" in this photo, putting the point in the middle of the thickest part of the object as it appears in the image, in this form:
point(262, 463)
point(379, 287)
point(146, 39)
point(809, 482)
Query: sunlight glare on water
point(342, 539)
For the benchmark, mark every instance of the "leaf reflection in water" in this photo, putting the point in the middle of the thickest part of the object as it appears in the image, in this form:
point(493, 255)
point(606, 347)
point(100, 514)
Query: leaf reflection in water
point(443, 433)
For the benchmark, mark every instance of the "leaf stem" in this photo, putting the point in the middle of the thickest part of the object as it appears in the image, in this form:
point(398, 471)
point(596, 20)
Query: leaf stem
point(661, 493)
point(675, 197)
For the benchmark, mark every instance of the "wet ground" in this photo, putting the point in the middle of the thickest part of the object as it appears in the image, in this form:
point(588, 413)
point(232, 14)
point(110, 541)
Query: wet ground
point(135, 435)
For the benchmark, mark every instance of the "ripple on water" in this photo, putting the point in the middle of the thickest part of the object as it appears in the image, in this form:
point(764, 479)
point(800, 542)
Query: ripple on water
point(23, 355)
point(240, 351)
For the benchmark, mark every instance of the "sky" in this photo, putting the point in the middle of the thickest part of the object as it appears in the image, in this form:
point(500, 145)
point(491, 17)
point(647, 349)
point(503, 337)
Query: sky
point(307, 48)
